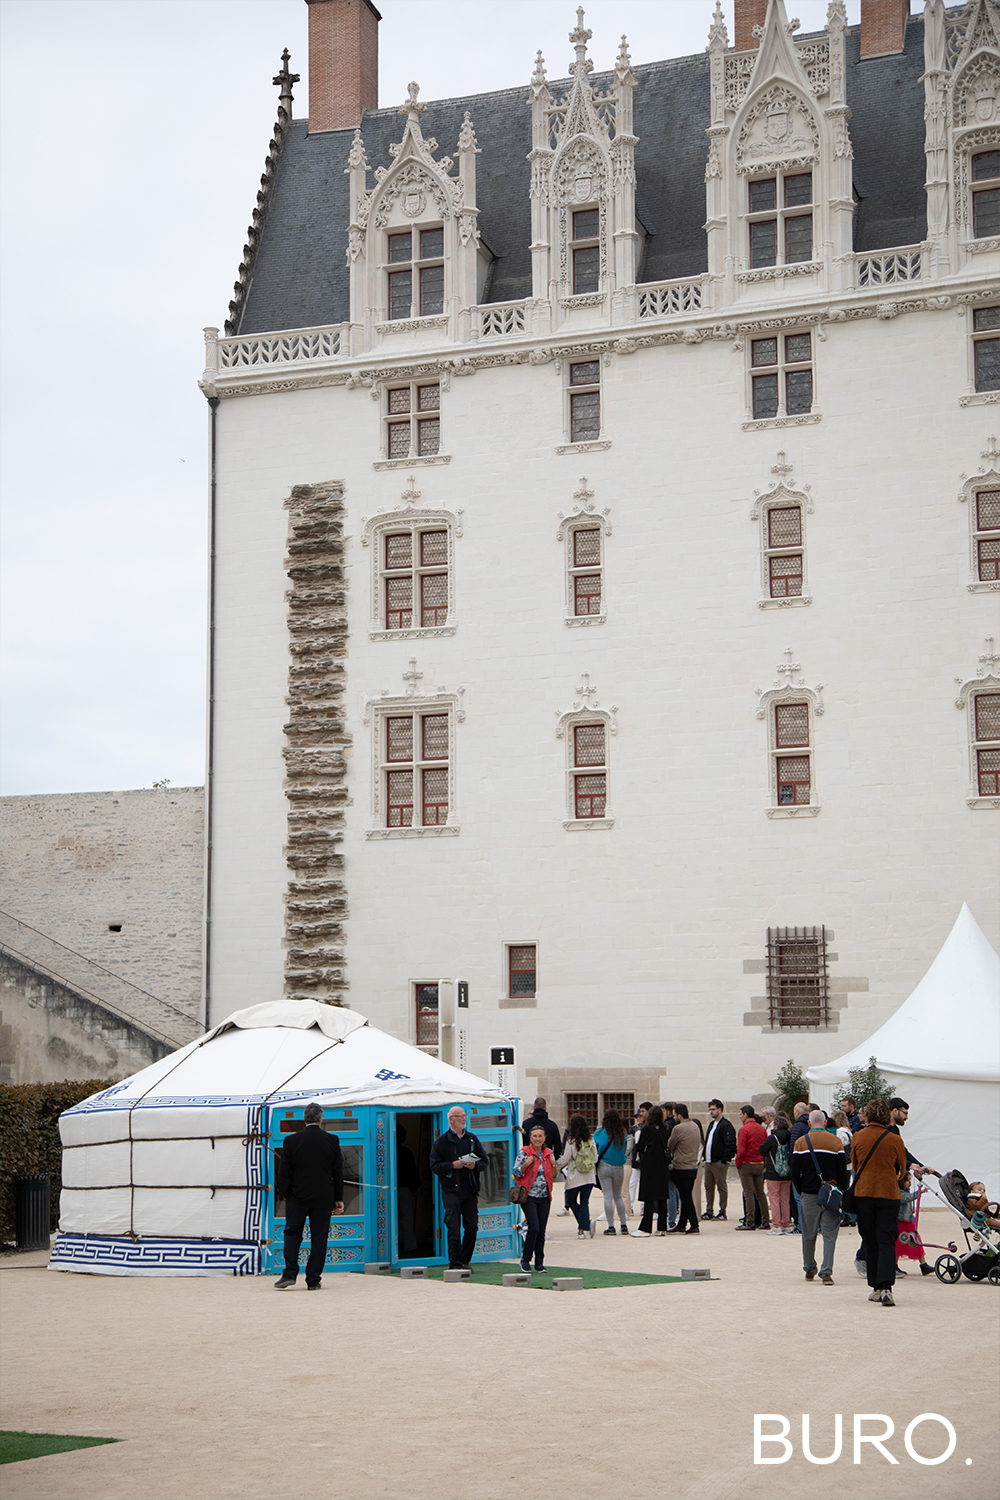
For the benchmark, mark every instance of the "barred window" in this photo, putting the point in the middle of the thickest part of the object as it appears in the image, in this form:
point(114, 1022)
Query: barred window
point(415, 759)
point(783, 551)
point(522, 969)
point(416, 273)
point(797, 976)
point(623, 1103)
point(781, 376)
point(985, 194)
point(413, 582)
point(986, 747)
point(413, 420)
point(585, 1105)
point(779, 219)
point(585, 401)
point(986, 535)
point(426, 1012)
point(585, 571)
point(792, 778)
point(590, 776)
point(585, 251)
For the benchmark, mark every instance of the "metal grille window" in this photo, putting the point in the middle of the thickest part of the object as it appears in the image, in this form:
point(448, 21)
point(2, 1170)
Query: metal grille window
point(986, 348)
point(585, 570)
point(414, 579)
point(792, 778)
point(582, 1104)
point(522, 969)
point(781, 376)
point(425, 1005)
point(415, 771)
point(416, 273)
point(986, 749)
point(590, 786)
point(780, 219)
point(797, 976)
point(985, 194)
point(585, 401)
point(623, 1103)
point(585, 251)
point(413, 420)
point(986, 535)
point(783, 551)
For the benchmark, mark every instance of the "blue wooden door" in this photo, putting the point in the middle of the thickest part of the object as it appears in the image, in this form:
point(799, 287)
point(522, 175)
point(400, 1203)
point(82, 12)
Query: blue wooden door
point(495, 1126)
point(351, 1233)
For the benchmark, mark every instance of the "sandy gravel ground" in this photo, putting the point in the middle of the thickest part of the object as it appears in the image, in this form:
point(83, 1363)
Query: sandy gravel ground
point(376, 1389)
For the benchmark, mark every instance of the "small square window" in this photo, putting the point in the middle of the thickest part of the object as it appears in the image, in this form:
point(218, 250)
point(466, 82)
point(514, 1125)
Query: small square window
point(414, 570)
point(781, 378)
point(522, 969)
point(412, 422)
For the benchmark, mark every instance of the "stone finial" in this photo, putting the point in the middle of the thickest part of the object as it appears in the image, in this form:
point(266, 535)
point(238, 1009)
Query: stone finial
point(836, 16)
point(623, 60)
point(538, 76)
point(412, 109)
point(284, 80)
point(357, 157)
point(467, 136)
point(580, 37)
point(718, 36)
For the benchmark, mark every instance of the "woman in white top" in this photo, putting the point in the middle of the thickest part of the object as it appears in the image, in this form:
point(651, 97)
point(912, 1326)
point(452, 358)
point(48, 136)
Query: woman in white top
point(580, 1158)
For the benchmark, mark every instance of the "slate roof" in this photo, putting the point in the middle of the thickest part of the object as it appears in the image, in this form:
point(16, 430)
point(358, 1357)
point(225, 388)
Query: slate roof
point(300, 277)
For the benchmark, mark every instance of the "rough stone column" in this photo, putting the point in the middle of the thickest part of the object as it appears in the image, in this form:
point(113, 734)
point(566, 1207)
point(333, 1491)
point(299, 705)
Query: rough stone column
point(315, 768)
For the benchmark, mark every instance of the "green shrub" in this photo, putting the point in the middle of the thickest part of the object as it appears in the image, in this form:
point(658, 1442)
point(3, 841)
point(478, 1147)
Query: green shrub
point(29, 1138)
point(792, 1086)
point(864, 1084)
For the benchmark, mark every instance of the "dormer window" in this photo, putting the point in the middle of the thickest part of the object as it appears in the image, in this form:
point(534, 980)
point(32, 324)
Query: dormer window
point(416, 273)
point(585, 249)
point(780, 221)
point(986, 194)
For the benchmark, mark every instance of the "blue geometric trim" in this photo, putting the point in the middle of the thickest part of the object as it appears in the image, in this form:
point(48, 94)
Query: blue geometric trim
point(78, 1252)
point(110, 1099)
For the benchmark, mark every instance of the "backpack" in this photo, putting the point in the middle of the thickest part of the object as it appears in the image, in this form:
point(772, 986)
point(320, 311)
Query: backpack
point(586, 1157)
point(782, 1160)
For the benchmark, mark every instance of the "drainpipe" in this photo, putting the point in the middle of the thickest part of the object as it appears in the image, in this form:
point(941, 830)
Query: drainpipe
point(213, 406)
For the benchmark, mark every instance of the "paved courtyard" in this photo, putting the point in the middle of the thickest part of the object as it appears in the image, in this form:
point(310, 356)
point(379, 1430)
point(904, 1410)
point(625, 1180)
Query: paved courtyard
point(378, 1389)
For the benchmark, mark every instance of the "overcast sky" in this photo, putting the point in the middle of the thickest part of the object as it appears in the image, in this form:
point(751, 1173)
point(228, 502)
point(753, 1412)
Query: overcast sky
point(134, 135)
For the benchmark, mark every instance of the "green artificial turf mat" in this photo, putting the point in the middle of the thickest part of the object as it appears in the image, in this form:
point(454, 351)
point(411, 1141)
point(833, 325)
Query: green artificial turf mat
point(491, 1273)
point(17, 1446)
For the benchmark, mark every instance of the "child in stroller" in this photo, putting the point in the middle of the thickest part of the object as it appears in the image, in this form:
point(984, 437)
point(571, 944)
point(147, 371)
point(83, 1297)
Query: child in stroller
point(977, 1202)
point(981, 1260)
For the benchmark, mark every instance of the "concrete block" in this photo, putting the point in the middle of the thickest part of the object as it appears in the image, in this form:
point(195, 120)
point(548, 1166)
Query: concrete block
point(377, 1268)
point(567, 1284)
point(700, 1273)
point(413, 1273)
point(458, 1275)
point(518, 1278)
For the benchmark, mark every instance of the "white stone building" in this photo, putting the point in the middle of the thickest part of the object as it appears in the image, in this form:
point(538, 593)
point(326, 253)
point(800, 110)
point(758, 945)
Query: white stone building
point(665, 774)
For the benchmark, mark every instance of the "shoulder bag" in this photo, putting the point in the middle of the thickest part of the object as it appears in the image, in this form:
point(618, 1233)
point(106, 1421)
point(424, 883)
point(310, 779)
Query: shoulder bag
point(847, 1206)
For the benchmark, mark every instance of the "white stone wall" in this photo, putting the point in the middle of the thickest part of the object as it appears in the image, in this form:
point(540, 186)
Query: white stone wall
point(76, 864)
point(643, 929)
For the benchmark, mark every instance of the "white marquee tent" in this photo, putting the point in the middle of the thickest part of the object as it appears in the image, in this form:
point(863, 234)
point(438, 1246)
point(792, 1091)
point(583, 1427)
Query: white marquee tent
point(166, 1173)
point(940, 1052)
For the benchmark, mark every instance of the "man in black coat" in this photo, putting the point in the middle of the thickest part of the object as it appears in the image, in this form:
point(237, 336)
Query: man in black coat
point(311, 1181)
point(457, 1159)
point(540, 1116)
point(720, 1149)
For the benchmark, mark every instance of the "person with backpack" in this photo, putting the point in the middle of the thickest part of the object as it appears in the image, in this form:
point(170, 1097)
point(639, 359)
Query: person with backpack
point(579, 1160)
point(777, 1153)
point(612, 1143)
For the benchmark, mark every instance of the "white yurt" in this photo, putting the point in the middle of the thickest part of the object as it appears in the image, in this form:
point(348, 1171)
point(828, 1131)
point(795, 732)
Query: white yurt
point(941, 1053)
point(172, 1172)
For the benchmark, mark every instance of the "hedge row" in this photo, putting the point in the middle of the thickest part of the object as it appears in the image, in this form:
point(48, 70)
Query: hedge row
point(29, 1138)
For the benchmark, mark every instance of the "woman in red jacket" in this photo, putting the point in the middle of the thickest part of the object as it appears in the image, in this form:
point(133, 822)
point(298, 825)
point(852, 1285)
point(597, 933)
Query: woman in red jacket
point(534, 1170)
point(750, 1165)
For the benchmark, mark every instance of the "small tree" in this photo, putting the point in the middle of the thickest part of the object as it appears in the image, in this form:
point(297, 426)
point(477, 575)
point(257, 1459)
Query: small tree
point(792, 1087)
point(864, 1084)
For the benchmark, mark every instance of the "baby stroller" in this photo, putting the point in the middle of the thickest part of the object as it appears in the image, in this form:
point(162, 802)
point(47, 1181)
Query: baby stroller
point(981, 1259)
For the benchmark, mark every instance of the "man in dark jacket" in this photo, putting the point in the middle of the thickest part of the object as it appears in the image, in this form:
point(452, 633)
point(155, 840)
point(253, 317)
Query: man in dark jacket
point(311, 1181)
point(720, 1148)
point(457, 1159)
point(539, 1116)
point(818, 1157)
point(849, 1106)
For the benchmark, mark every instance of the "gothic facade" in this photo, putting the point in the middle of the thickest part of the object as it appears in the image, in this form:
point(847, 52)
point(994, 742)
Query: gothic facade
point(606, 551)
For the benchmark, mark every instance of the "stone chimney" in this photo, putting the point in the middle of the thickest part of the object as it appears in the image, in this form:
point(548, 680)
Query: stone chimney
point(883, 26)
point(749, 13)
point(343, 63)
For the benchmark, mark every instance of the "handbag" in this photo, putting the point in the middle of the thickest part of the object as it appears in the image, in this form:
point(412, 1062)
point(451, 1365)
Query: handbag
point(829, 1196)
point(518, 1193)
point(847, 1205)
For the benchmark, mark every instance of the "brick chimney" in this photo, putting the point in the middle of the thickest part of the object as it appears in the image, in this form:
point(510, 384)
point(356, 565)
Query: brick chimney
point(749, 13)
point(343, 62)
point(883, 26)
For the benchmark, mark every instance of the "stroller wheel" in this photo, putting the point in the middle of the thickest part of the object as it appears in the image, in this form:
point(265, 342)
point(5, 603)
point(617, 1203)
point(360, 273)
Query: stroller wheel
point(994, 1276)
point(952, 1245)
point(948, 1268)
